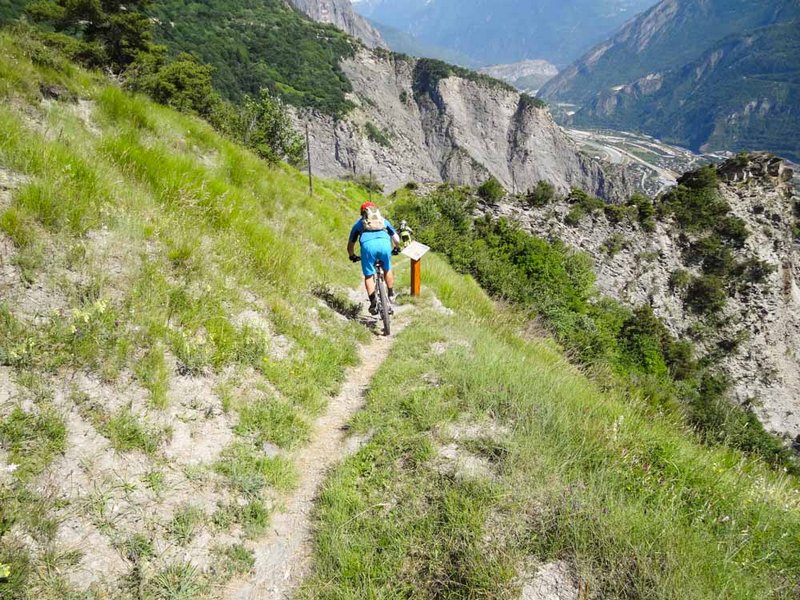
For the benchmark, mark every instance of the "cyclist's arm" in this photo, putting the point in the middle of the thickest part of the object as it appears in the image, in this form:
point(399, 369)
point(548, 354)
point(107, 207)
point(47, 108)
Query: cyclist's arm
point(355, 233)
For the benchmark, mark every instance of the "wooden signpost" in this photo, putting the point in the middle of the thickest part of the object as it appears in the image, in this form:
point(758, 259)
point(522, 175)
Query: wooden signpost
point(415, 251)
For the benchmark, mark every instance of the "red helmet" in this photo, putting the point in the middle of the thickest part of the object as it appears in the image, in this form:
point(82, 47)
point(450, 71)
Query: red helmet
point(367, 205)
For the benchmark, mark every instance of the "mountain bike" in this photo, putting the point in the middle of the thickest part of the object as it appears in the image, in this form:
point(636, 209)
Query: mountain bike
point(382, 303)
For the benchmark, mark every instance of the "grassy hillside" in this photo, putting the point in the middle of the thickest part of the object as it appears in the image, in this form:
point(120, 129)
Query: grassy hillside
point(157, 329)
point(490, 455)
point(163, 352)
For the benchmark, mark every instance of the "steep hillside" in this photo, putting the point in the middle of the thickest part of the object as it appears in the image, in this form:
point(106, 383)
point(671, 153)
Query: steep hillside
point(733, 290)
point(341, 14)
point(429, 122)
point(506, 31)
point(162, 350)
point(268, 44)
point(176, 330)
point(668, 36)
point(741, 94)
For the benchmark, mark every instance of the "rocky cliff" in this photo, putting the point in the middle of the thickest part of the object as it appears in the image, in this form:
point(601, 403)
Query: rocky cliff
point(413, 121)
point(756, 336)
point(341, 14)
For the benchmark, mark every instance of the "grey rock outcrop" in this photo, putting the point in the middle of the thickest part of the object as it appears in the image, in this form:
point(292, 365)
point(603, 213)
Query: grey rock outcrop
point(763, 319)
point(463, 130)
point(340, 13)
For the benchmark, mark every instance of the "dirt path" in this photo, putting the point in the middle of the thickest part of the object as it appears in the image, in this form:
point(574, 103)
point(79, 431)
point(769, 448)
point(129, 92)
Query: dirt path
point(282, 558)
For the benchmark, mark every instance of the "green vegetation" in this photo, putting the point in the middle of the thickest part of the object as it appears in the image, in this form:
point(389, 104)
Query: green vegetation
point(732, 93)
point(428, 72)
point(184, 524)
point(576, 474)
point(710, 235)
point(233, 560)
point(376, 135)
point(32, 440)
point(172, 256)
point(99, 34)
point(543, 194)
point(265, 46)
point(491, 190)
point(556, 286)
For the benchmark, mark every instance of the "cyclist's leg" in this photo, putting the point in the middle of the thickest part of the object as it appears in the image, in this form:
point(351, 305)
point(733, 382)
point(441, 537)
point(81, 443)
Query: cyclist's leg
point(369, 283)
point(368, 256)
point(385, 255)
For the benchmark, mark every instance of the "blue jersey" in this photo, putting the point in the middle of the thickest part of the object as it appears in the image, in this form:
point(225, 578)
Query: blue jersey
point(358, 233)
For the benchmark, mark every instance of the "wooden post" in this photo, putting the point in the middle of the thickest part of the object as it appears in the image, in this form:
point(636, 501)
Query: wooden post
point(308, 151)
point(416, 278)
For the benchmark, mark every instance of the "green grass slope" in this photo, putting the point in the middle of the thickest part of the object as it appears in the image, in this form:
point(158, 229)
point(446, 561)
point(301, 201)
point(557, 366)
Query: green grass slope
point(490, 456)
point(158, 327)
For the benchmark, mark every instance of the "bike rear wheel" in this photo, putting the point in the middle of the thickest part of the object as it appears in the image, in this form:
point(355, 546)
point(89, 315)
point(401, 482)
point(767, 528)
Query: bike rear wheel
point(385, 307)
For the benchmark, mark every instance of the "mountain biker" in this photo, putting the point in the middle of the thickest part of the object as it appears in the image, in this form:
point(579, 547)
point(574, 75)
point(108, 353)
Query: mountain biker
point(378, 241)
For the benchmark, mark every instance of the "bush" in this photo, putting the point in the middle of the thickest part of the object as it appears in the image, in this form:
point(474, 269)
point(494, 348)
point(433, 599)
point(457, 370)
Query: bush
point(491, 190)
point(679, 280)
point(263, 125)
point(183, 83)
point(645, 211)
point(706, 295)
point(615, 213)
point(614, 244)
point(542, 195)
point(376, 135)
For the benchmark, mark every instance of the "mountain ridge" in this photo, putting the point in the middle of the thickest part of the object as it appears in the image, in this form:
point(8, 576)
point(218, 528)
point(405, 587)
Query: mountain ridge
point(710, 76)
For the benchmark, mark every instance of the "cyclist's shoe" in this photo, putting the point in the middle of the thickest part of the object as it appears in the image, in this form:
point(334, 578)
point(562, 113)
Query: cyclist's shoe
point(373, 308)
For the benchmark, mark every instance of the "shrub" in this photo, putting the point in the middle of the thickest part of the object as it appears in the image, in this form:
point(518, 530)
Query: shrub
point(107, 33)
point(376, 135)
point(615, 213)
point(542, 195)
point(183, 83)
point(679, 280)
point(645, 211)
point(264, 125)
point(706, 295)
point(614, 244)
point(491, 190)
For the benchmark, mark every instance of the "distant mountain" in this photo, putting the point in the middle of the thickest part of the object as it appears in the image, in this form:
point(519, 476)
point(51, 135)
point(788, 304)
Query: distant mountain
point(669, 35)
point(506, 31)
point(705, 74)
point(340, 13)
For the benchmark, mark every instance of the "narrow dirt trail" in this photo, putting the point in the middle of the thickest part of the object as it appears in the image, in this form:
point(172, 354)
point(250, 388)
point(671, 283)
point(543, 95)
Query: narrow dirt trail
point(283, 557)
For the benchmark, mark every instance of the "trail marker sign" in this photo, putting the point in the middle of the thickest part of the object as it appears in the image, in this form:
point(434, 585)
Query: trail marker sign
point(415, 251)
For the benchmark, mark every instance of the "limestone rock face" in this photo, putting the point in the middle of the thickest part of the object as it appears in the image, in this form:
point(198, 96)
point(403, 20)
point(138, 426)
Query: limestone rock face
point(462, 131)
point(764, 318)
point(341, 14)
